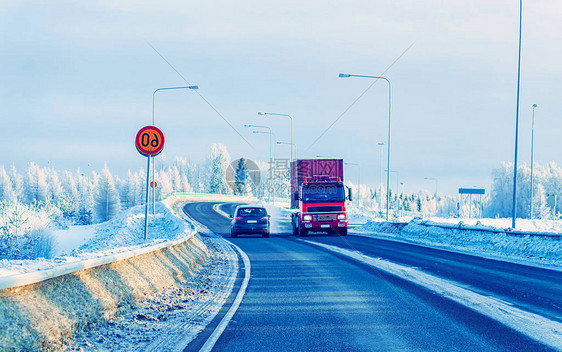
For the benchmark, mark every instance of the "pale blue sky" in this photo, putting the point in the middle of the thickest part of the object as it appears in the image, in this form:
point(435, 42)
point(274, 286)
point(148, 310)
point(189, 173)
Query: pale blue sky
point(77, 81)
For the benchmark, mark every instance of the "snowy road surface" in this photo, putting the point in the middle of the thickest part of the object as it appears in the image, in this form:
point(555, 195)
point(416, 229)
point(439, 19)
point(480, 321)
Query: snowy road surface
point(302, 297)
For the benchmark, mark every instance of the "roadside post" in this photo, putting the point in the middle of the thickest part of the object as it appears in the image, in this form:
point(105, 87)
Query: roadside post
point(149, 142)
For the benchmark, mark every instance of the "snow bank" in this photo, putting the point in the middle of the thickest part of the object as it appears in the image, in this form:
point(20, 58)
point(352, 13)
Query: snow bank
point(525, 225)
point(537, 249)
point(123, 233)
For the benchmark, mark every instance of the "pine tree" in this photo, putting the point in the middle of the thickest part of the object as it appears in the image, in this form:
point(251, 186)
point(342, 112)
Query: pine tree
point(165, 186)
point(36, 187)
point(217, 164)
point(107, 203)
point(17, 184)
point(185, 186)
point(129, 191)
point(175, 178)
point(85, 205)
point(55, 189)
point(7, 193)
point(241, 178)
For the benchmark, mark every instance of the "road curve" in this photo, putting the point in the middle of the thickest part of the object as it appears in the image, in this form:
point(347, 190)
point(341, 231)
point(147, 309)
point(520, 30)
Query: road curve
point(303, 298)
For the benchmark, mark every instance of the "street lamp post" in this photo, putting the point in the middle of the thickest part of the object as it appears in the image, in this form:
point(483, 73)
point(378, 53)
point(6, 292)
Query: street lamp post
point(358, 182)
point(381, 145)
point(270, 168)
point(532, 159)
point(293, 144)
point(270, 155)
point(514, 212)
point(153, 122)
point(434, 179)
point(401, 203)
point(286, 115)
point(345, 75)
point(397, 181)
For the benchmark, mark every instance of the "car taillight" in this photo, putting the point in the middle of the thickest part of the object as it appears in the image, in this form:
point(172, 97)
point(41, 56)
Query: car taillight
point(266, 218)
point(238, 219)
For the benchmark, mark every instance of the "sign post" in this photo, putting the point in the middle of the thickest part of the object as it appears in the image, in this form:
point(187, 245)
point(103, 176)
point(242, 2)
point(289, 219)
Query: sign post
point(470, 192)
point(149, 142)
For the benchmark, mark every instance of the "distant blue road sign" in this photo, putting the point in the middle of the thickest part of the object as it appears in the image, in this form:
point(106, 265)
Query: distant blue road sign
point(472, 191)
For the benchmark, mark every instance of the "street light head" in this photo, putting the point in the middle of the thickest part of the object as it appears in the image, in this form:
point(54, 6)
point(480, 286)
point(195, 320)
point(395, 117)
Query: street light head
point(344, 75)
point(193, 87)
point(535, 105)
point(261, 113)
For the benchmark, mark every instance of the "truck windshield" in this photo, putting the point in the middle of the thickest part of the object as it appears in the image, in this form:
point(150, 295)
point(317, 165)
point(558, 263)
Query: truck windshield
point(317, 193)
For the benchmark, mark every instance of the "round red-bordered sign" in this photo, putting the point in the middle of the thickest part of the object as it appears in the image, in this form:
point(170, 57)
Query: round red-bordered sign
point(149, 141)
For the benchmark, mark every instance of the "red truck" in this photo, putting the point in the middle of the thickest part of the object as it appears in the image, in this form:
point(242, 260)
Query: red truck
point(318, 195)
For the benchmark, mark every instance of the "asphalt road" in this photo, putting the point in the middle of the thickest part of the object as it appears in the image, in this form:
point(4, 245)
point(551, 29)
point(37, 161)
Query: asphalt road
point(303, 298)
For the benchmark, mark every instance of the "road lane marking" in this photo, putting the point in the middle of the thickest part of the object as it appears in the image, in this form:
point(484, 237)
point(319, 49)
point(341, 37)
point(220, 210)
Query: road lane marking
point(539, 328)
point(217, 208)
point(212, 340)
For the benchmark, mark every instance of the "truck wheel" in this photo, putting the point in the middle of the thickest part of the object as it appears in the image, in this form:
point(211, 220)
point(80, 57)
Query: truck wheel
point(342, 232)
point(303, 232)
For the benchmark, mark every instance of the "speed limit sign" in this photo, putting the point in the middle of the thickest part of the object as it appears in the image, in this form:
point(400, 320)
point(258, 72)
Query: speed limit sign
point(149, 141)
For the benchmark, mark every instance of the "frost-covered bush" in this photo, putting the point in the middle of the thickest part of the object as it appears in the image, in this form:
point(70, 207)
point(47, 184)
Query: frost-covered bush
point(24, 231)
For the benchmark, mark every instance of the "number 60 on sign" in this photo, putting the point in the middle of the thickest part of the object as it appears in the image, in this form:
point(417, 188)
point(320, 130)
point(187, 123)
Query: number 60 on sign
point(149, 141)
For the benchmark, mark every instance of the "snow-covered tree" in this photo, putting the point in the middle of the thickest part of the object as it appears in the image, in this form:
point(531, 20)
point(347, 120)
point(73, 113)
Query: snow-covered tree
point(175, 178)
point(501, 195)
point(55, 189)
point(129, 193)
point(36, 188)
point(242, 181)
point(184, 185)
point(107, 203)
point(7, 193)
point(17, 184)
point(165, 186)
point(85, 208)
point(217, 163)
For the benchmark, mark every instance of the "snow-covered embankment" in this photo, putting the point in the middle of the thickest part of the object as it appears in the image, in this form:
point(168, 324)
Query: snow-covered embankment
point(527, 247)
point(112, 272)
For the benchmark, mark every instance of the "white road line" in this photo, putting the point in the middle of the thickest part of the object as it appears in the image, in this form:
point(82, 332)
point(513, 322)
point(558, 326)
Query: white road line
point(212, 340)
point(539, 328)
point(217, 208)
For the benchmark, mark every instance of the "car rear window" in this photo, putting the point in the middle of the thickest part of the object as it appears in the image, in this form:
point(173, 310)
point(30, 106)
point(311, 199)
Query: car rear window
point(252, 212)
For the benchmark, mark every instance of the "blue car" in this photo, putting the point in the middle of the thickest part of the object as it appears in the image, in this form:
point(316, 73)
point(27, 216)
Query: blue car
point(250, 220)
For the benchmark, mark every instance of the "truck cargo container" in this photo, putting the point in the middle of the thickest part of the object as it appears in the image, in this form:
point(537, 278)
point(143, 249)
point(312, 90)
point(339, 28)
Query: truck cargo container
point(318, 196)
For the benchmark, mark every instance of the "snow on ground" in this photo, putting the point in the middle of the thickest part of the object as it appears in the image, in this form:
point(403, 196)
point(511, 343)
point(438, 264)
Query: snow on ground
point(534, 250)
point(359, 215)
point(120, 234)
point(537, 225)
point(171, 320)
point(72, 238)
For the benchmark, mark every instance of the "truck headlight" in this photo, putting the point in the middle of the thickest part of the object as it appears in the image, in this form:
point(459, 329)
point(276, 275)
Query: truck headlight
point(307, 218)
point(341, 216)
